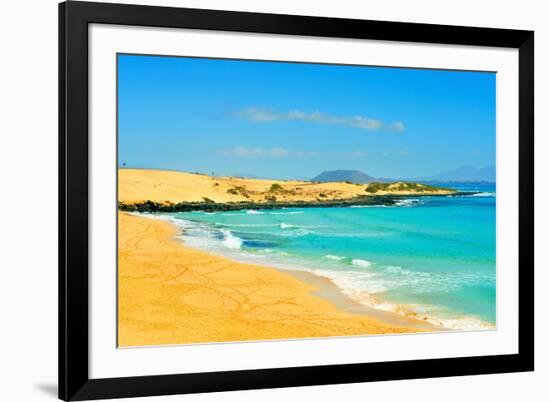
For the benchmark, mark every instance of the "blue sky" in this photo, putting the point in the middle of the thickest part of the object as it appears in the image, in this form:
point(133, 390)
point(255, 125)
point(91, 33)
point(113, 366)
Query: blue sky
point(290, 120)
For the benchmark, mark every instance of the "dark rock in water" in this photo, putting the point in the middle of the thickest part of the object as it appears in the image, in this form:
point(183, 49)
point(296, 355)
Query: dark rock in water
point(152, 206)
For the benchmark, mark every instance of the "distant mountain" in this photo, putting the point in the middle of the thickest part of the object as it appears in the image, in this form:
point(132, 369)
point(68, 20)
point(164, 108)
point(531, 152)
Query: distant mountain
point(354, 176)
point(461, 174)
point(464, 173)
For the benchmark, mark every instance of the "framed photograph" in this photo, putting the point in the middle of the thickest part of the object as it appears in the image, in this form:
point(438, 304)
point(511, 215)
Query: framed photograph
point(257, 200)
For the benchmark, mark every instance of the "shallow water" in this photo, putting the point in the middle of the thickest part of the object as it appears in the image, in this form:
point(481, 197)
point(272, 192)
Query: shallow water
point(434, 256)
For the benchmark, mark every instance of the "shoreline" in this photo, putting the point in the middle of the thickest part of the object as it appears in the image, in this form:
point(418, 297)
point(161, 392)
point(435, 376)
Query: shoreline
point(328, 290)
point(208, 206)
point(389, 312)
point(173, 294)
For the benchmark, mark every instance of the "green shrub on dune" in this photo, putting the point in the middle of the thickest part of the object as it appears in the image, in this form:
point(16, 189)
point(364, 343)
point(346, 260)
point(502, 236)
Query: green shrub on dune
point(275, 187)
point(239, 190)
point(375, 187)
point(408, 186)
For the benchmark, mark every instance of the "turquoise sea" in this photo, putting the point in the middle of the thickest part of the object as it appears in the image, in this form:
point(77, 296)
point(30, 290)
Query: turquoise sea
point(435, 256)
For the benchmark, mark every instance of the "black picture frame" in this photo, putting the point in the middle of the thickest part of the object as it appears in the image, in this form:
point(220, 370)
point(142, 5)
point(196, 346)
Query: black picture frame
point(74, 381)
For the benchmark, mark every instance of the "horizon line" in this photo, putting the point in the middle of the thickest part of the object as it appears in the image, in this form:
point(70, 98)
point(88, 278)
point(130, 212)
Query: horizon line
point(255, 177)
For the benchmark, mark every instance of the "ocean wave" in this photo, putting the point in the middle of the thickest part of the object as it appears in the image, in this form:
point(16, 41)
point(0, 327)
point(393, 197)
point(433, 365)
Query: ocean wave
point(334, 257)
point(366, 287)
point(396, 270)
point(287, 213)
point(351, 282)
point(466, 323)
point(484, 194)
point(256, 212)
point(284, 225)
point(475, 194)
point(230, 240)
point(361, 263)
point(407, 203)
point(296, 232)
point(427, 282)
point(246, 225)
point(369, 206)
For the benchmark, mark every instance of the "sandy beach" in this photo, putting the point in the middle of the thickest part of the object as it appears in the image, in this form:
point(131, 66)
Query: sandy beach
point(173, 294)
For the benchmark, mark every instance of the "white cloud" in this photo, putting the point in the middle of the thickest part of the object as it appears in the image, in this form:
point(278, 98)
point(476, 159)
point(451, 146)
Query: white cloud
point(265, 115)
point(259, 115)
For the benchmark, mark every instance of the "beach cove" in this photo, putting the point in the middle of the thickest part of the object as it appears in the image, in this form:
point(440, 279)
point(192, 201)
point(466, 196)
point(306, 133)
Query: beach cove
point(173, 294)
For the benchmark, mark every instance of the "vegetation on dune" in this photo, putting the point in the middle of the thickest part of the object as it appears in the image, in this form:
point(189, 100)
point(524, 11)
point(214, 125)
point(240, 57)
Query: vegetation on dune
point(271, 202)
point(375, 187)
point(278, 189)
point(239, 190)
point(275, 196)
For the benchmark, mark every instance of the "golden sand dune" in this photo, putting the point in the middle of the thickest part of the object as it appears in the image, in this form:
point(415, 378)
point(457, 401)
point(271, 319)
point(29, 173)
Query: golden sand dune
point(171, 294)
point(138, 185)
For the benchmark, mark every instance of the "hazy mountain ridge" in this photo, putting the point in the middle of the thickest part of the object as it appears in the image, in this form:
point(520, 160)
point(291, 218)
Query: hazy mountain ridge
point(464, 174)
point(460, 174)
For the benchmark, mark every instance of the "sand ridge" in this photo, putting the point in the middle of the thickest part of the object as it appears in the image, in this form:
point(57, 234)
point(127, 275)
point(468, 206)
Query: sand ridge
point(163, 186)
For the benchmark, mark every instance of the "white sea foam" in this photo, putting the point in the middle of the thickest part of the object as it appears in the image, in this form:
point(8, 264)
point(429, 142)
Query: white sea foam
point(361, 263)
point(368, 206)
point(247, 225)
point(352, 283)
point(254, 212)
point(296, 232)
point(484, 194)
point(230, 240)
point(286, 226)
point(461, 323)
point(408, 202)
point(473, 194)
point(334, 257)
point(366, 287)
point(399, 203)
point(287, 213)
